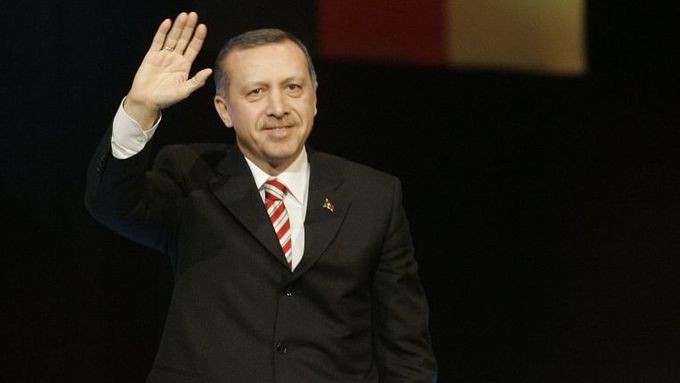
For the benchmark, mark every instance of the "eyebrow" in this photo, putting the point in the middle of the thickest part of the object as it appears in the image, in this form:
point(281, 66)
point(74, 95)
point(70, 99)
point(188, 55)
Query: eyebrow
point(287, 80)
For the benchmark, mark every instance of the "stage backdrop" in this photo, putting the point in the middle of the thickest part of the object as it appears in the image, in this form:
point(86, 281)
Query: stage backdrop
point(525, 35)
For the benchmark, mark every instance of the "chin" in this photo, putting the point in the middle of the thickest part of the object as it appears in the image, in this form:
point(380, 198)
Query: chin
point(284, 151)
point(282, 156)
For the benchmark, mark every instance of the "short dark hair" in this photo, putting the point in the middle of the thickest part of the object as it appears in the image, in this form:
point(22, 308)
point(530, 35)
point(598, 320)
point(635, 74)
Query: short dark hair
point(253, 39)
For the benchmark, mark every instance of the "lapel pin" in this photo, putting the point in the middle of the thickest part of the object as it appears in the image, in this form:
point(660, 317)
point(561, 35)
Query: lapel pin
point(327, 204)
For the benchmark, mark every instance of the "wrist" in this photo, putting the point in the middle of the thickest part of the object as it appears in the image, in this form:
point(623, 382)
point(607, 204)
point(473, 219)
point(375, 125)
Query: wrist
point(144, 114)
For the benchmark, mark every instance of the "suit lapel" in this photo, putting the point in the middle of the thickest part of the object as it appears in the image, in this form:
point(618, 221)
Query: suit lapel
point(238, 193)
point(322, 220)
point(236, 190)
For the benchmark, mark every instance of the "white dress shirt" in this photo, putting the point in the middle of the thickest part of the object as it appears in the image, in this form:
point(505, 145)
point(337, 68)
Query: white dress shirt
point(296, 179)
point(128, 139)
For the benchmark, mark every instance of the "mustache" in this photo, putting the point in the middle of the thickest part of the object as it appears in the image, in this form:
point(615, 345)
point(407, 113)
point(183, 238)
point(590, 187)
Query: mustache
point(278, 122)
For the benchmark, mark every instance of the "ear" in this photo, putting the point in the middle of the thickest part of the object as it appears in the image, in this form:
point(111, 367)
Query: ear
point(222, 109)
point(316, 86)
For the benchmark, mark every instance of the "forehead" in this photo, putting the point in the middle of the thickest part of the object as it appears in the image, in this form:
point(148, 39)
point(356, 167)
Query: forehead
point(265, 62)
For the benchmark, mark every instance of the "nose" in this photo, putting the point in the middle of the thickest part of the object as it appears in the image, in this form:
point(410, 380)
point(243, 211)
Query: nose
point(278, 106)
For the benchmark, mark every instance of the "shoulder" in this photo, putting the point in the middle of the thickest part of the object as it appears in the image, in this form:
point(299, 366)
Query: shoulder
point(192, 164)
point(357, 175)
point(206, 153)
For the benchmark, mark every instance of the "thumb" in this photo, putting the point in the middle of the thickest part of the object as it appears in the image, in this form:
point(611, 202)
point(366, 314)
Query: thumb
point(197, 81)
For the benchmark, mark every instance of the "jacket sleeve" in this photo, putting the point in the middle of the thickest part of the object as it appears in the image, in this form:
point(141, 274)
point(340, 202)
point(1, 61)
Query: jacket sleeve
point(402, 342)
point(124, 196)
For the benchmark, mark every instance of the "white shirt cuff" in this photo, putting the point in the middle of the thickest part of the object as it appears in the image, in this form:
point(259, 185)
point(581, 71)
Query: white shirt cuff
point(128, 138)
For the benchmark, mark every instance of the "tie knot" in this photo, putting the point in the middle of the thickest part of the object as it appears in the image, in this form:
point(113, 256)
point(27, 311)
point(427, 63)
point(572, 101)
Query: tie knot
point(274, 189)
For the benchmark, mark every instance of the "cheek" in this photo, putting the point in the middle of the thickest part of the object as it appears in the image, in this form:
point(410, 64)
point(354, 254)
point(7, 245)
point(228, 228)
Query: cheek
point(247, 119)
point(305, 109)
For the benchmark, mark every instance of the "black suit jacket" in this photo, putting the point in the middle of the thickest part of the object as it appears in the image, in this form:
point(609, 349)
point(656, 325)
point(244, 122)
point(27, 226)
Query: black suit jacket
point(352, 311)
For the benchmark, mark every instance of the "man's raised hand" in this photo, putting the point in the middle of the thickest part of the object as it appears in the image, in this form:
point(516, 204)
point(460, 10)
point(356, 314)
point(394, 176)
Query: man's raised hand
point(163, 77)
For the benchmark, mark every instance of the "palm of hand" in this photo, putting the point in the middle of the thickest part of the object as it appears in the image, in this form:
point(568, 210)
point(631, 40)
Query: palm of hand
point(163, 77)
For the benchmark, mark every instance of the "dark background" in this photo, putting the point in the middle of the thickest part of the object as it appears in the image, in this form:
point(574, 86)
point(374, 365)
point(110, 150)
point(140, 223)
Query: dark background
point(544, 209)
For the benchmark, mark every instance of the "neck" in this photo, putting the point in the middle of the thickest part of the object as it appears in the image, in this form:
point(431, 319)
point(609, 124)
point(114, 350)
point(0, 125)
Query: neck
point(272, 168)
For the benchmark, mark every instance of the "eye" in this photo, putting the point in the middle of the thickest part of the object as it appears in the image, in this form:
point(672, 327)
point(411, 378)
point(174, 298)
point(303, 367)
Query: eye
point(294, 88)
point(256, 92)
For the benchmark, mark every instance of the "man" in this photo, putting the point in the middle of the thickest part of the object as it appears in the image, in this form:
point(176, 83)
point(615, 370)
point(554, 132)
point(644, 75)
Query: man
point(290, 265)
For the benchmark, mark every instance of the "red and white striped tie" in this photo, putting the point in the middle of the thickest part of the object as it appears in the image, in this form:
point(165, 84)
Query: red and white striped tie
point(273, 202)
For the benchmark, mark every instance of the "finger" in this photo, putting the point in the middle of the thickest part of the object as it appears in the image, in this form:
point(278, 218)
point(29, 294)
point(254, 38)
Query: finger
point(175, 31)
point(196, 43)
point(197, 81)
point(159, 37)
point(187, 32)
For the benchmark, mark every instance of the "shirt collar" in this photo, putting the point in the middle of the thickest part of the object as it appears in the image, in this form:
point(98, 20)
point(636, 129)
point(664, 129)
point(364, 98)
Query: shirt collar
point(294, 177)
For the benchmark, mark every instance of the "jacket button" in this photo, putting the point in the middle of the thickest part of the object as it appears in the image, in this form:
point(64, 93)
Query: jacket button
point(288, 291)
point(281, 348)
